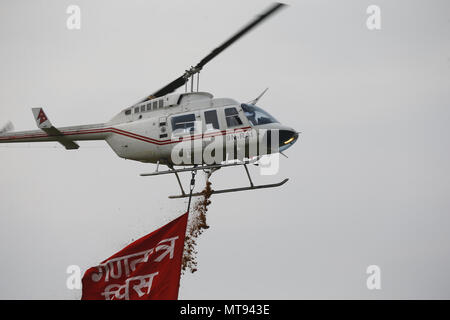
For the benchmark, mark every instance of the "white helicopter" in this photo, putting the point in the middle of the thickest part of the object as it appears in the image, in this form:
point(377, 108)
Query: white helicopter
point(152, 129)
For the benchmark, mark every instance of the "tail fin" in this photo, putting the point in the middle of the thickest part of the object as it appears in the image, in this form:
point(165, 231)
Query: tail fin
point(41, 118)
point(44, 123)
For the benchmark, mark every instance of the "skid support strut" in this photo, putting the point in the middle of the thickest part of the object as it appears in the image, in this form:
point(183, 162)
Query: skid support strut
point(209, 169)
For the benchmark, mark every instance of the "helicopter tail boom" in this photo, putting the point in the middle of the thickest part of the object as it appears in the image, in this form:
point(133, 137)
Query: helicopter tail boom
point(66, 136)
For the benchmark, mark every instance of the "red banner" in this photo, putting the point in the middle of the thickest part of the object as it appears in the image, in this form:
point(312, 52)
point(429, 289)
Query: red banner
point(147, 269)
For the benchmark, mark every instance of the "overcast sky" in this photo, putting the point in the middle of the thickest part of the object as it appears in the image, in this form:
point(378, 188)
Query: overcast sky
point(369, 177)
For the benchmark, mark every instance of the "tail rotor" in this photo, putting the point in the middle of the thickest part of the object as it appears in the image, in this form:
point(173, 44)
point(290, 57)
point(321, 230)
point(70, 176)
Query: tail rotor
point(7, 127)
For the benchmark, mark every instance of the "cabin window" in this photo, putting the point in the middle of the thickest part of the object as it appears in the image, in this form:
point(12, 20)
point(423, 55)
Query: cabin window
point(128, 112)
point(155, 105)
point(149, 106)
point(211, 121)
point(183, 124)
point(161, 104)
point(232, 117)
point(143, 108)
point(136, 110)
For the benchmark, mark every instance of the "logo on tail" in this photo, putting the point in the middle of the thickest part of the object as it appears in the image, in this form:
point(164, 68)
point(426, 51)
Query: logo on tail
point(41, 117)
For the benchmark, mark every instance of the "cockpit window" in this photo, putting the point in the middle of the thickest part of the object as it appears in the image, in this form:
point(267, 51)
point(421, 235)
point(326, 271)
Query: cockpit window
point(256, 115)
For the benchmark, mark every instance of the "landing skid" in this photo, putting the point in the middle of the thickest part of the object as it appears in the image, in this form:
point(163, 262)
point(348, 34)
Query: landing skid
point(210, 169)
point(272, 185)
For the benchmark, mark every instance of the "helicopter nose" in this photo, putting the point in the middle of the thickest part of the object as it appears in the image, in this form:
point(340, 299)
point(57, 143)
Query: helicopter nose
point(287, 138)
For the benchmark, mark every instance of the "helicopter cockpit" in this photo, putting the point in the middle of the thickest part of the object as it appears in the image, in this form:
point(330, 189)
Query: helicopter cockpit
point(256, 115)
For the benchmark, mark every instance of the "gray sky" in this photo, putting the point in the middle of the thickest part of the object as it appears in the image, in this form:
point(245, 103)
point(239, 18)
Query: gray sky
point(369, 177)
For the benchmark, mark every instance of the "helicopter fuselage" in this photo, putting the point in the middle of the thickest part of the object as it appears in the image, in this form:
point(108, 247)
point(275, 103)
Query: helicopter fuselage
point(151, 130)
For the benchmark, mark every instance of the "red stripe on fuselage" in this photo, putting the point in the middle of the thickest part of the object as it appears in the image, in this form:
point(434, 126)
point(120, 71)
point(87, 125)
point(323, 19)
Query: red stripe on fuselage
point(129, 135)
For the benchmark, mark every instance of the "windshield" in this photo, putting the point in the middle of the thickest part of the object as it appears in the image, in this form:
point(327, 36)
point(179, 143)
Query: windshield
point(256, 115)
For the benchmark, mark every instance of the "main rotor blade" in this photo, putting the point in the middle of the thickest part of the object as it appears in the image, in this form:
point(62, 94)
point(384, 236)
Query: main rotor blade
point(171, 87)
point(239, 34)
point(180, 81)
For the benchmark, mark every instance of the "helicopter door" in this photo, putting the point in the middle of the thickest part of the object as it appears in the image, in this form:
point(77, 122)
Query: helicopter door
point(162, 127)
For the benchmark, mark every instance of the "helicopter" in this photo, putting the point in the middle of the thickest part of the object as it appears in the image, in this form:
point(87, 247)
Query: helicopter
point(168, 128)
